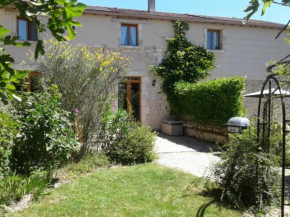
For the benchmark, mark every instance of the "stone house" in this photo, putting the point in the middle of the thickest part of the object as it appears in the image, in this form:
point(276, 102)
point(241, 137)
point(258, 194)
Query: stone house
point(240, 49)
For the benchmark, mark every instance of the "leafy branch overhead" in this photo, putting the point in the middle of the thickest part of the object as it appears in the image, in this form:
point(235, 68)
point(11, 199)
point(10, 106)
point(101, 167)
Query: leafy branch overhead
point(60, 16)
point(254, 6)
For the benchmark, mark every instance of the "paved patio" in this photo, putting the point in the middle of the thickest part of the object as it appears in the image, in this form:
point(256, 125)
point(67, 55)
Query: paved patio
point(186, 153)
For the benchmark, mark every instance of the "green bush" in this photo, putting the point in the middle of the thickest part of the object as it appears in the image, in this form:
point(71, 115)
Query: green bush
point(115, 127)
point(125, 141)
point(135, 147)
point(211, 102)
point(248, 176)
point(8, 132)
point(184, 62)
point(276, 141)
point(46, 137)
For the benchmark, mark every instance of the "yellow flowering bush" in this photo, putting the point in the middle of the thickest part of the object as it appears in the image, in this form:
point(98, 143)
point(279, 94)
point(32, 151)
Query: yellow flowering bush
point(86, 78)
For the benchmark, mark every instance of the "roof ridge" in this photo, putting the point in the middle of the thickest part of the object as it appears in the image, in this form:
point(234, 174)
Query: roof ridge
point(186, 16)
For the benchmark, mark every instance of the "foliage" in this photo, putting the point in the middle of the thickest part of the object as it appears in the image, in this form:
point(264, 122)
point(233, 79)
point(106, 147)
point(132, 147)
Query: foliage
point(86, 93)
point(135, 147)
point(115, 127)
point(185, 61)
point(60, 14)
point(276, 141)
point(254, 5)
point(125, 141)
point(212, 102)
point(87, 164)
point(46, 137)
point(248, 176)
point(13, 187)
point(140, 190)
point(9, 129)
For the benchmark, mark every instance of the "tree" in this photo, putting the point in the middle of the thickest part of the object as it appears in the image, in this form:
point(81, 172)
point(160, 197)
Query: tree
point(60, 14)
point(254, 5)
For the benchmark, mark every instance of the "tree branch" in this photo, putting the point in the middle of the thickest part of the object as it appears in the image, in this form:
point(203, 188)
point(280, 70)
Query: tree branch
point(284, 28)
point(280, 3)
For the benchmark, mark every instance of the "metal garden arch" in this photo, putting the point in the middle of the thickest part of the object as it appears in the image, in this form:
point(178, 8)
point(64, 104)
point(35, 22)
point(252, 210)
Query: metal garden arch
point(264, 120)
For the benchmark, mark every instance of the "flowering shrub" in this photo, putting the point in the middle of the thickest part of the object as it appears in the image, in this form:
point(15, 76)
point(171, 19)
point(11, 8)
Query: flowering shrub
point(85, 77)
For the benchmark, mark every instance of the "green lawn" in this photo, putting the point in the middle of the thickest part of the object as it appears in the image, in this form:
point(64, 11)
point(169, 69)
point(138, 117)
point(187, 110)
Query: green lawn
point(142, 190)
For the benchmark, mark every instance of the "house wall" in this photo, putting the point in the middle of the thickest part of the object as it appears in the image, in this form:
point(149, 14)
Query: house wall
point(246, 50)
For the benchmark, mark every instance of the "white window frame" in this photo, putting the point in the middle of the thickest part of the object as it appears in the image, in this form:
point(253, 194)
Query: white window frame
point(222, 40)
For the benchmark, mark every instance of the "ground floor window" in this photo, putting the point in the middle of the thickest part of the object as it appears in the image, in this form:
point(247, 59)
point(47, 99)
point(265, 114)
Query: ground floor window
point(129, 96)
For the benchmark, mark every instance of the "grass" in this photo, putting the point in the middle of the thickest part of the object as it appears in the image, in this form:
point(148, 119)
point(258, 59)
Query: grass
point(141, 190)
point(87, 164)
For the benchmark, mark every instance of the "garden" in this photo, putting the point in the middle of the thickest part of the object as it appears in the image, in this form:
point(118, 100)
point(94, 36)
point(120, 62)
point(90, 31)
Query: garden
point(60, 123)
point(59, 135)
point(62, 145)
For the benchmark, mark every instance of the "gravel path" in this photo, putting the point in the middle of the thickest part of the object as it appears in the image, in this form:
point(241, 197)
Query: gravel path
point(186, 153)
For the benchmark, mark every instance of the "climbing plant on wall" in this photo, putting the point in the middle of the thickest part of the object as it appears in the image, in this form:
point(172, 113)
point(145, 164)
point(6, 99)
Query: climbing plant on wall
point(184, 62)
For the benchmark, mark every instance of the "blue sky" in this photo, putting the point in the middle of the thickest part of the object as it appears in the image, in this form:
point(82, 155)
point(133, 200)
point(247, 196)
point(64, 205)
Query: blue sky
point(225, 8)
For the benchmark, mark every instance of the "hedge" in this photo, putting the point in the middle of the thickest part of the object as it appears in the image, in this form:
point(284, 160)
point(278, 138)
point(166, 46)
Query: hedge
point(212, 102)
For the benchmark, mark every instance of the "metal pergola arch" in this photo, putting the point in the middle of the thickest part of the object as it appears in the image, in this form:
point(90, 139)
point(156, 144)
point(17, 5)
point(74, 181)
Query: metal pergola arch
point(264, 116)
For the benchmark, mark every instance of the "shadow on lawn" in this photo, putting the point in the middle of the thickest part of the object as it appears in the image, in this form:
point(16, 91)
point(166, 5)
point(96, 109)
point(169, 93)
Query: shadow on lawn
point(202, 208)
point(209, 191)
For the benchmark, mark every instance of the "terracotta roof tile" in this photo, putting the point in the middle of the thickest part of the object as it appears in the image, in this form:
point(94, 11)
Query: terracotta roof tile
point(176, 16)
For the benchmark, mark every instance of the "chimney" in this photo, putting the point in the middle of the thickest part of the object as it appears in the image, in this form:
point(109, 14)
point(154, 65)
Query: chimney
point(151, 5)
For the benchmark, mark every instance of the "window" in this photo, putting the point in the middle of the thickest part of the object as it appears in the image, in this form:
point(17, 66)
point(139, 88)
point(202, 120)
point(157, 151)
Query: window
point(26, 30)
point(213, 39)
point(129, 35)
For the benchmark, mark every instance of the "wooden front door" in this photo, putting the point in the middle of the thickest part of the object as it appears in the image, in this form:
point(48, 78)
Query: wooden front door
point(129, 96)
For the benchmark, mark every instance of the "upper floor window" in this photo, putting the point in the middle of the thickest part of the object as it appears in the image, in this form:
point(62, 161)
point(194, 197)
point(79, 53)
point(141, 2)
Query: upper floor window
point(213, 39)
point(26, 30)
point(129, 35)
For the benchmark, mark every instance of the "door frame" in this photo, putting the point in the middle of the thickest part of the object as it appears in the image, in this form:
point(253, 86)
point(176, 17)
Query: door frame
point(128, 82)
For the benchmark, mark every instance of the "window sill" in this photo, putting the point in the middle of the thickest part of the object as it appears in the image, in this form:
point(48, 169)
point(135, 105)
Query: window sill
point(129, 47)
point(31, 42)
point(216, 51)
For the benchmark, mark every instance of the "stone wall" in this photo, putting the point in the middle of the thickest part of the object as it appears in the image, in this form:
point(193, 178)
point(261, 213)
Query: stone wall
point(154, 106)
point(251, 104)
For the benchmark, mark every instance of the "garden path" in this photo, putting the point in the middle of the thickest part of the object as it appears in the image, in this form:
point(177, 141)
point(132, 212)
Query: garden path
point(186, 153)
